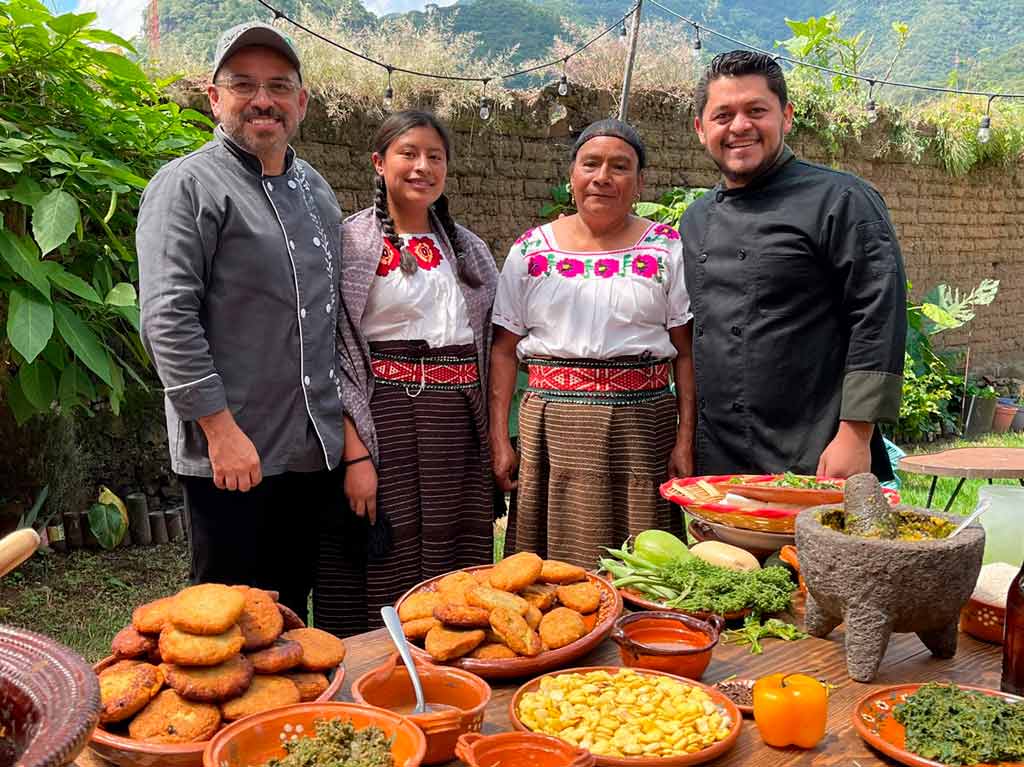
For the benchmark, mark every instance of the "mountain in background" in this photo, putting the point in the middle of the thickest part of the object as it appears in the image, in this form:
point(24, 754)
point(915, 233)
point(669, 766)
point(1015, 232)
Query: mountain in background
point(982, 42)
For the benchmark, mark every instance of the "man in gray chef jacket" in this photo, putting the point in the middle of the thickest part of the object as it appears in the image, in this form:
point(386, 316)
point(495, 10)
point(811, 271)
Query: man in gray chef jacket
point(239, 248)
point(797, 287)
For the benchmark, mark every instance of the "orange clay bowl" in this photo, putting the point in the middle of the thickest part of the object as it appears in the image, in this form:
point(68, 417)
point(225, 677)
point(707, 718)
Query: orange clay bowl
point(125, 752)
point(514, 668)
point(460, 696)
point(524, 748)
point(252, 741)
point(704, 755)
point(983, 621)
point(666, 641)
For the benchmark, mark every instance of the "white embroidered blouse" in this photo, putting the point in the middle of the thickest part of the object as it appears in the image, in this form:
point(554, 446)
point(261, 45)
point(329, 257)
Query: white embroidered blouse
point(426, 305)
point(599, 305)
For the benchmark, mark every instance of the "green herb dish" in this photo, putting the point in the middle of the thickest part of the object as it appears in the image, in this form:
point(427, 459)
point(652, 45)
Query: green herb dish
point(801, 482)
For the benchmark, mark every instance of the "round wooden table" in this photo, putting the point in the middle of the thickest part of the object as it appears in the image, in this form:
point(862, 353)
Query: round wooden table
point(967, 463)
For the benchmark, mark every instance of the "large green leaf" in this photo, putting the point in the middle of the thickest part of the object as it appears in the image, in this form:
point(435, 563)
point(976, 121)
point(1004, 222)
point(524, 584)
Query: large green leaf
point(38, 384)
point(122, 294)
point(131, 313)
point(83, 342)
point(72, 283)
point(119, 65)
point(54, 219)
point(23, 261)
point(27, 191)
point(74, 385)
point(69, 23)
point(20, 407)
point(107, 524)
point(29, 323)
point(11, 166)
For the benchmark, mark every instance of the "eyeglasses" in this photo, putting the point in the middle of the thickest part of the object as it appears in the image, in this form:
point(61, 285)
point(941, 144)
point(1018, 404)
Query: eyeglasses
point(247, 89)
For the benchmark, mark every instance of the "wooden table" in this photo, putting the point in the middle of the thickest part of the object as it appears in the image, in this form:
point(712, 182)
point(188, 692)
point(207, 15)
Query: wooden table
point(967, 463)
point(907, 660)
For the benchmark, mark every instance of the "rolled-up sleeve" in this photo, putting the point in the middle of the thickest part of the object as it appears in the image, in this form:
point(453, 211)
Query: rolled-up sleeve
point(862, 245)
point(175, 238)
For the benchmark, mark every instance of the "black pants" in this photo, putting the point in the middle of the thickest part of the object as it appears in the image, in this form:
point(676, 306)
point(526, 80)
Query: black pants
point(266, 537)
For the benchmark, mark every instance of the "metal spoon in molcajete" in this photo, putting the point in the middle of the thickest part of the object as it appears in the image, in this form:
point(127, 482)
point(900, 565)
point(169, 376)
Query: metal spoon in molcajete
point(394, 626)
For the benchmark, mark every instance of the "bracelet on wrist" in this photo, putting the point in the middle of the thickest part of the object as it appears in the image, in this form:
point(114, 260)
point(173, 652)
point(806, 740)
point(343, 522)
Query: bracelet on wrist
point(360, 459)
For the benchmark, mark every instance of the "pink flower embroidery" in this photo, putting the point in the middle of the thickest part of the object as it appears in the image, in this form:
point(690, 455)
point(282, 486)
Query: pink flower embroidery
point(666, 231)
point(570, 267)
point(645, 266)
point(606, 267)
point(538, 266)
point(524, 237)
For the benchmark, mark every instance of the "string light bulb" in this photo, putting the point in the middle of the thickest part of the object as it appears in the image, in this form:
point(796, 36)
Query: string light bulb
point(985, 127)
point(623, 34)
point(485, 107)
point(563, 81)
point(870, 107)
point(695, 51)
point(389, 94)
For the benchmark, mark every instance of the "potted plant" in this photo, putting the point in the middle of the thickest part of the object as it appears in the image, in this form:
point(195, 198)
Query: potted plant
point(980, 409)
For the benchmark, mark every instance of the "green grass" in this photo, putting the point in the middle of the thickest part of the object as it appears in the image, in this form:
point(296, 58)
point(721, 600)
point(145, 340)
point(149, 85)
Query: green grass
point(85, 597)
point(915, 486)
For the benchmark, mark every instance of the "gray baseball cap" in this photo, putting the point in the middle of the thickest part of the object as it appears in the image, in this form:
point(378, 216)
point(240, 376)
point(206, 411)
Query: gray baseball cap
point(254, 33)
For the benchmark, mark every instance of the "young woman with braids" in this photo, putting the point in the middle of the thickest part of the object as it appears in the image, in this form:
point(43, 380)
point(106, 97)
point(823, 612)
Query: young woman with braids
point(414, 338)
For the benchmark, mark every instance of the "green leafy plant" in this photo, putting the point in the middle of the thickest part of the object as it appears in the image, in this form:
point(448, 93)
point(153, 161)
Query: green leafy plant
point(925, 407)
point(671, 206)
point(561, 203)
point(107, 523)
point(81, 131)
point(34, 517)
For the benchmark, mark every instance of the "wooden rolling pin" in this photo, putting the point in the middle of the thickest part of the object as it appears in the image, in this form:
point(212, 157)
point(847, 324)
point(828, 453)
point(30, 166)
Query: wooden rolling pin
point(16, 547)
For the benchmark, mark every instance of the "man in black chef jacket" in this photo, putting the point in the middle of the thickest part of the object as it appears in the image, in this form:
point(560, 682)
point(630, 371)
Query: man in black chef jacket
point(798, 293)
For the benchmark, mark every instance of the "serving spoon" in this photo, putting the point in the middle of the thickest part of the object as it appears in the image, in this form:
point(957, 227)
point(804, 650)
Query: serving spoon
point(394, 626)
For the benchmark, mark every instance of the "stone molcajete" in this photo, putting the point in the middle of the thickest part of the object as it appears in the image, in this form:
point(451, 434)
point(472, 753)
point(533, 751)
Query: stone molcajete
point(878, 585)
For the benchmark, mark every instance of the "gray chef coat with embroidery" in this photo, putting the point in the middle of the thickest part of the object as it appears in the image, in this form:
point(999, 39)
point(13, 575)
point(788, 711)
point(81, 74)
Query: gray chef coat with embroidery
point(238, 278)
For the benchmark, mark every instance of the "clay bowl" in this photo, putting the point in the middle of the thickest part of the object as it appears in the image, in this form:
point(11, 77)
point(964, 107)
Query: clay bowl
point(667, 641)
point(49, 700)
point(466, 695)
point(125, 752)
point(983, 621)
point(514, 668)
point(259, 737)
point(761, 544)
point(526, 748)
point(679, 760)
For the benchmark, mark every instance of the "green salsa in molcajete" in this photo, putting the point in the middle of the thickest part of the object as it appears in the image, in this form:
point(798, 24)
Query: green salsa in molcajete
point(910, 526)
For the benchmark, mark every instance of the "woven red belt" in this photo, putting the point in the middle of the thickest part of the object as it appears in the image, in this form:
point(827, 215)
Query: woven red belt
point(567, 377)
point(426, 372)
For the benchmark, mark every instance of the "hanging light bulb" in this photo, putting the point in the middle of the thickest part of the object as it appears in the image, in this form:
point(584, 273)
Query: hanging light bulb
point(871, 111)
point(985, 130)
point(695, 51)
point(485, 109)
point(624, 34)
point(389, 94)
point(563, 81)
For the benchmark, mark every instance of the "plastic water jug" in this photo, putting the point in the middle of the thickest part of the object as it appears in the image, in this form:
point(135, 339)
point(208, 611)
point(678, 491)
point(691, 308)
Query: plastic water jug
point(1003, 523)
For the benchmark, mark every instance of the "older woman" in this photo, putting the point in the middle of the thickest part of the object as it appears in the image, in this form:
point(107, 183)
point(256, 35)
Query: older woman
point(596, 307)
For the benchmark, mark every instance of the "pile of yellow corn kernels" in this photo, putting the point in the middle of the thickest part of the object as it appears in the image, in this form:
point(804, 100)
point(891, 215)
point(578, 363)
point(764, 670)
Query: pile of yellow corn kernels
point(624, 714)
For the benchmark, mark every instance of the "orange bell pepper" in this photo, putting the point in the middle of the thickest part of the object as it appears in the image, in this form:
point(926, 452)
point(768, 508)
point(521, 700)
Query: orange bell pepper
point(790, 710)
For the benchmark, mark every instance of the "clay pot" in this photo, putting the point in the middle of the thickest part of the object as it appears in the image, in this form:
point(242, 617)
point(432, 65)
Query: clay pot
point(527, 748)
point(388, 686)
point(1003, 418)
point(257, 738)
point(980, 413)
point(666, 641)
point(1018, 420)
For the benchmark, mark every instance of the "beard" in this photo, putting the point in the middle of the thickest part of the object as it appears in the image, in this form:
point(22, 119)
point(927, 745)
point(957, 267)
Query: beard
point(253, 140)
point(745, 177)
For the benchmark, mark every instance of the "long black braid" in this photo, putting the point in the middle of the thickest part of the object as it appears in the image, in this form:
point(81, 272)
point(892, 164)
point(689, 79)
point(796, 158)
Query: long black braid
point(452, 232)
point(387, 224)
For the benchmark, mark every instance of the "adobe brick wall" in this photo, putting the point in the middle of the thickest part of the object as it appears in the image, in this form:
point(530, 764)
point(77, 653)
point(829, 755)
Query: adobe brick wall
point(953, 230)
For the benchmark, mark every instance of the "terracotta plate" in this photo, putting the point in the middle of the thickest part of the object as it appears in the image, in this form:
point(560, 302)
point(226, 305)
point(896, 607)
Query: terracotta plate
point(873, 720)
point(610, 609)
point(636, 599)
point(746, 710)
point(125, 752)
point(707, 754)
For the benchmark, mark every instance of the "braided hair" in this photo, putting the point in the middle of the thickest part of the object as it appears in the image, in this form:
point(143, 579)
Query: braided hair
point(393, 127)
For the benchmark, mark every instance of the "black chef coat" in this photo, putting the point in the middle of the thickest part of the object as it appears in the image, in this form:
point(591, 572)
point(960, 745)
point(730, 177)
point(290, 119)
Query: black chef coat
point(798, 292)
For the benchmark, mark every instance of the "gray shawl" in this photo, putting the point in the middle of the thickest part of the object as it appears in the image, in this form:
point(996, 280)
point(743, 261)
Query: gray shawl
point(362, 242)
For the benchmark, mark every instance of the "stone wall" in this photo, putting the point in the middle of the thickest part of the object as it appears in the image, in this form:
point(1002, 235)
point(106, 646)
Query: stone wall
point(953, 230)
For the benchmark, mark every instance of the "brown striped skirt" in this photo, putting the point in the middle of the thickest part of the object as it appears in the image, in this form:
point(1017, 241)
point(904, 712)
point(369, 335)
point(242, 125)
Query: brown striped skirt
point(433, 483)
point(589, 476)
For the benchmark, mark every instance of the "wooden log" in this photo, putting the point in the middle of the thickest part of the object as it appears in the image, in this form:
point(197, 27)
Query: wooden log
point(73, 529)
point(175, 527)
point(138, 518)
point(158, 526)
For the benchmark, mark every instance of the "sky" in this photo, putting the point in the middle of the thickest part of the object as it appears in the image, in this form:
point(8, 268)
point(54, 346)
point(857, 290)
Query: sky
point(124, 17)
